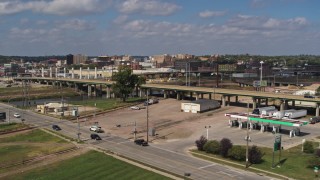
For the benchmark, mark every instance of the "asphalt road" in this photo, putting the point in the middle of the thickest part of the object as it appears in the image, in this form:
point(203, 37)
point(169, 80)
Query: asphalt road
point(159, 156)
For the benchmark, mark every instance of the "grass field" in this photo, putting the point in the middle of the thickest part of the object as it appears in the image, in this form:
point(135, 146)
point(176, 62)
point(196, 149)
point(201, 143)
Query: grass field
point(26, 145)
point(16, 93)
point(35, 135)
point(92, 165)
point(107, 104)
point(293, 162)
point(11, 126)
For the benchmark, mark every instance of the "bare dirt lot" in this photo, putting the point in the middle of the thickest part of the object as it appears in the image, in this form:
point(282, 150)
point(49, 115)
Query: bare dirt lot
point(172, 125)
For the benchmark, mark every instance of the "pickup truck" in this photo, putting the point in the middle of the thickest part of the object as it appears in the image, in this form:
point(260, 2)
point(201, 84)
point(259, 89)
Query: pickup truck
point(151, 101)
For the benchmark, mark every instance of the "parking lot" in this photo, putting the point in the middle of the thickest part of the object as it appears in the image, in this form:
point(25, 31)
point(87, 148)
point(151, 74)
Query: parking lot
point(171, 125)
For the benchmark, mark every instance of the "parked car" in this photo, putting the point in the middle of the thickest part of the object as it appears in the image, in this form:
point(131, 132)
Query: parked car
point(135, 107)
point(17, 115)
point(141, 142)
point(95, 136)
point(314, 119)
point(95, 128)
point(56, 127)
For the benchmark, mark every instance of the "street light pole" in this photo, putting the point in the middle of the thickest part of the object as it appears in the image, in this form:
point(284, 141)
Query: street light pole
point(247, 138)
point(207, 127)
point(261, 62)
point(147, 115)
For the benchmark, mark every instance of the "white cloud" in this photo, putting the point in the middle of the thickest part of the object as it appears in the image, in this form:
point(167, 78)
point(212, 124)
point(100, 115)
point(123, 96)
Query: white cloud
point(208, 14)
point(150, 7)
point(57, 7)
point(121, 19)
point(76, 24)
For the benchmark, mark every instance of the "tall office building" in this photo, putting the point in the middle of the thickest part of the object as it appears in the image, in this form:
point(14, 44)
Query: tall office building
point(79, 59)
point(69, 59)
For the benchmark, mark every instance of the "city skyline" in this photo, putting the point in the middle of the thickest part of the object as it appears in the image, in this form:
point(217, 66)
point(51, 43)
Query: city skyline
point(149, 27)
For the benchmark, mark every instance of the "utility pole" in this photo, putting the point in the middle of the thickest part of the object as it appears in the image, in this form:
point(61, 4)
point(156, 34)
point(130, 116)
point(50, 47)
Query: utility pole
point(207, 127)
point(247, 138)
point(78, 128)
point(147, 115)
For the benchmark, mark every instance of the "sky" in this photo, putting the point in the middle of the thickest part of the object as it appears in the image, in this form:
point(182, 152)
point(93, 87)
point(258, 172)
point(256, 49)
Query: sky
point(151, 27)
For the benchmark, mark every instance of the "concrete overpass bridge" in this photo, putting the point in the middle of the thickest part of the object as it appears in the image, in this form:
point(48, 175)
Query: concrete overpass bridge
point(96, 86)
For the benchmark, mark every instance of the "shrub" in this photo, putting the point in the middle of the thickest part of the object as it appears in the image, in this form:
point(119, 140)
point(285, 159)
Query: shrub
point(314, 161)
point(212, 146)
point(255, 155)
point(308, 147)
point(237, 153)
point(225, 145)
point(201, 142)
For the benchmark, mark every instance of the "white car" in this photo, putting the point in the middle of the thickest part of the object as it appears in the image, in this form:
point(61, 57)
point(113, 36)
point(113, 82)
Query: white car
point(135, 107)
point(95, 128)
point(16, 115)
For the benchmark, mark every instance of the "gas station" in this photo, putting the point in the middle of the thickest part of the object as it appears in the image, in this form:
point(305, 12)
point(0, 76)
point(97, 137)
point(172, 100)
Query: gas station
point(264, 123)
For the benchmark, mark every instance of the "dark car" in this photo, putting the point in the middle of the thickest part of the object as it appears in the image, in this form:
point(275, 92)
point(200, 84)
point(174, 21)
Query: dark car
point(141, 142)
point(95, 136)
point(56, 127)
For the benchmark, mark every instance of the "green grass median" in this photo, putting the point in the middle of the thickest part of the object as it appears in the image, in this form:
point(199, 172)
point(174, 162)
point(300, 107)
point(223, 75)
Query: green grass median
point(92, 165)
point(293, 163)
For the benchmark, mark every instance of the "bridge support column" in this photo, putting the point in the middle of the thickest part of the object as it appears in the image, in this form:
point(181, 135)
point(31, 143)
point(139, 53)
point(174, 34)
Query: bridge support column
point(286, 105)
point(100, 90)
point(80, 73)
point(201, 95)
point(293, 104)
point(317, 109)
point(210, 96)
point(72, 73)
point(191, 95)
point(95, 73)
point(266, 101)
point(197, 96)
point(76, 87)
point(60, 85)
point(89, 90)
point(42, 72)
point(178, 95)
point(50, 72)
point(282, 105)
point(254, 103)
point(47, 83)
point(140, 93)
point(165, 95)
point(259, 102)
point(223, 100)
point(95, 90)
point(88, 71)
point(108, 94)
point(228, 101)
point(237, 99)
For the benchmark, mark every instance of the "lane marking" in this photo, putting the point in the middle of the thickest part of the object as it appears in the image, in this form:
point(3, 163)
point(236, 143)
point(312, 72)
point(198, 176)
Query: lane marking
point(207, 166)
point(222, 172)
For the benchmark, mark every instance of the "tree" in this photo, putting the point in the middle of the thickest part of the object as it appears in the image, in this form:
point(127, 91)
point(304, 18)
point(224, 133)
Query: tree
point(237, 153)
point(212, 146)
point(201, 142)
point(308, 147)
point(225, 145)
point(125, 82)
point(255, 155)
